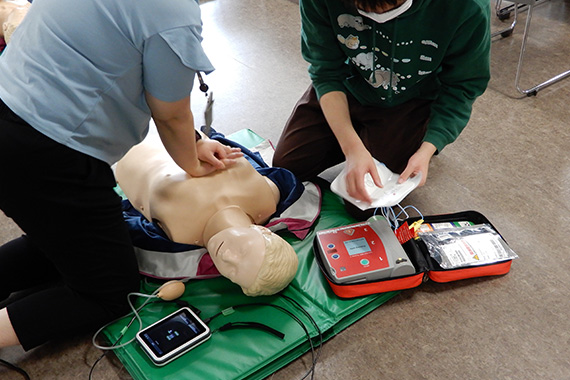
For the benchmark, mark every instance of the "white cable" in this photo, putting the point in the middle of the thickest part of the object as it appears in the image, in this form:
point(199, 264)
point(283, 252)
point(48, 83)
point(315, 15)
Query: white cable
point(390, 215)
point(134, 311)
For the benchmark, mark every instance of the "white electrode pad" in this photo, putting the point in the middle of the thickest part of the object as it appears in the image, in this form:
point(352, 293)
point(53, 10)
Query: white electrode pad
point(389, 195)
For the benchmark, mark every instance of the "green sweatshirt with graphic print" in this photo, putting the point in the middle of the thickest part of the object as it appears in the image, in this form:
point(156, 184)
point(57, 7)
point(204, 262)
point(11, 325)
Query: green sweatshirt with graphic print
point(437, 49)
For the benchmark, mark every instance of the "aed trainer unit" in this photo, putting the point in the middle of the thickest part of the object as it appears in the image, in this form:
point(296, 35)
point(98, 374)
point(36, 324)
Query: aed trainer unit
point(361, 252)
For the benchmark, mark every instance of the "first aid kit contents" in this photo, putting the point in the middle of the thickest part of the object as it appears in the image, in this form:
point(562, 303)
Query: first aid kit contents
point(425, 227)
point(363, 252)
point(390, 194)
point(463, 246)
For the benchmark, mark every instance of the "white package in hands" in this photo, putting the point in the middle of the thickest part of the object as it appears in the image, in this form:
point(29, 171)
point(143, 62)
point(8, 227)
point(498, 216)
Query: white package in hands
point(389, 195)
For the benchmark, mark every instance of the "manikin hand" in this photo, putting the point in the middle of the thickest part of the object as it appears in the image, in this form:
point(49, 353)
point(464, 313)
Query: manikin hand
point(358, 163)
point(419, 162)
point(216, 156)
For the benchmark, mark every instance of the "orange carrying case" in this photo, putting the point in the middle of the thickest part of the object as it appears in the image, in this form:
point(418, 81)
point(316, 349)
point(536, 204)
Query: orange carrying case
point(426, 267)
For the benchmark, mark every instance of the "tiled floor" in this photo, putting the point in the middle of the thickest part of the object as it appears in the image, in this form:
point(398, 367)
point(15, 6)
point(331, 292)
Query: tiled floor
point(512, 163)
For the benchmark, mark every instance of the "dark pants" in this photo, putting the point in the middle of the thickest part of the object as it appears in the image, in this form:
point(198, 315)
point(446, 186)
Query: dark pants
point(76, 243)
point(308, 146)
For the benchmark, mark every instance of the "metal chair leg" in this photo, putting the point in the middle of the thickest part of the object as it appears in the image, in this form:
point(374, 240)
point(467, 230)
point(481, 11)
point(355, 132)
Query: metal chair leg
point(509, 30)
point(529, 6)
point(532, 91)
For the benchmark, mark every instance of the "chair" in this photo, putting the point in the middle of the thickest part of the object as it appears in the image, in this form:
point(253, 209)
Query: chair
point(520, 5)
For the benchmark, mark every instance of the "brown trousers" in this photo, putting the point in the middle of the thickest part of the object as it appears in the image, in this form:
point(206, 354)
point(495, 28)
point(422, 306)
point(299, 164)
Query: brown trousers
point(308, 146)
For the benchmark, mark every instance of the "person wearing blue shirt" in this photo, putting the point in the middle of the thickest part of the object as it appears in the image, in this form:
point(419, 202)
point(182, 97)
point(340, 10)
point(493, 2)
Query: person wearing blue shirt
point(80, 82)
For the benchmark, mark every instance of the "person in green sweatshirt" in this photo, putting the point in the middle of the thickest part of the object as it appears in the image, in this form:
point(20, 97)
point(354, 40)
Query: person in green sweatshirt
point(393, 80)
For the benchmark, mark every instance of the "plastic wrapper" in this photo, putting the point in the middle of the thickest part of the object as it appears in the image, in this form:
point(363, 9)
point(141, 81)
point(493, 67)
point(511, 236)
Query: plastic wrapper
point(466, 246)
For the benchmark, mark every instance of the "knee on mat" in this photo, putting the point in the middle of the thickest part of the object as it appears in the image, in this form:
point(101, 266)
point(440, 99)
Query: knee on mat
point(278, 161)
point(302, 170)
point(115, 299)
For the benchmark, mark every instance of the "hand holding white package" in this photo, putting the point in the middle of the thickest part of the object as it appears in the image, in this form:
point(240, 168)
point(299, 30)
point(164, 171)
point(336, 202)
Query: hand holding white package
point(389, 195)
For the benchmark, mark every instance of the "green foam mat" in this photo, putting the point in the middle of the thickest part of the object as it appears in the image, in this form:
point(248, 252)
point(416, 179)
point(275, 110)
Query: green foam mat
point(252, 353)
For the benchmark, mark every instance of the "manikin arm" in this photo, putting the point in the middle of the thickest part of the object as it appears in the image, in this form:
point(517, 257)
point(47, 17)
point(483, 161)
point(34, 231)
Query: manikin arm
point(175, 125)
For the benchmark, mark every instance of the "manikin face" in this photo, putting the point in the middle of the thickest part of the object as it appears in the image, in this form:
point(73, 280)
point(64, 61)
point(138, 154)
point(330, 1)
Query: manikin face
point(238, 253)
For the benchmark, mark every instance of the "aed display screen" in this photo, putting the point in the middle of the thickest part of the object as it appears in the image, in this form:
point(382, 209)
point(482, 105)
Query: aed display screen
point(171, 333)
point(357, 246)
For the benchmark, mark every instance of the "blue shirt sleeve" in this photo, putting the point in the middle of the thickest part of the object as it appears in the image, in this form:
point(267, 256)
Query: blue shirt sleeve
point(170, 62)
point(165, 76)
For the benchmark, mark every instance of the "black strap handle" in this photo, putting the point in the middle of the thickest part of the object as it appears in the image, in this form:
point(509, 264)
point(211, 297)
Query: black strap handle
point(254, 325)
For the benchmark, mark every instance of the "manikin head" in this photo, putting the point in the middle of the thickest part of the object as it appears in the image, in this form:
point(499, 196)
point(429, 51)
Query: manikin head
point(11, 15)
point(253, 257)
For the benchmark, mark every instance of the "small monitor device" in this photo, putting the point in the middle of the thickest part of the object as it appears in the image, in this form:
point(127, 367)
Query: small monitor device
point(173, 336)
point(362, 252)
